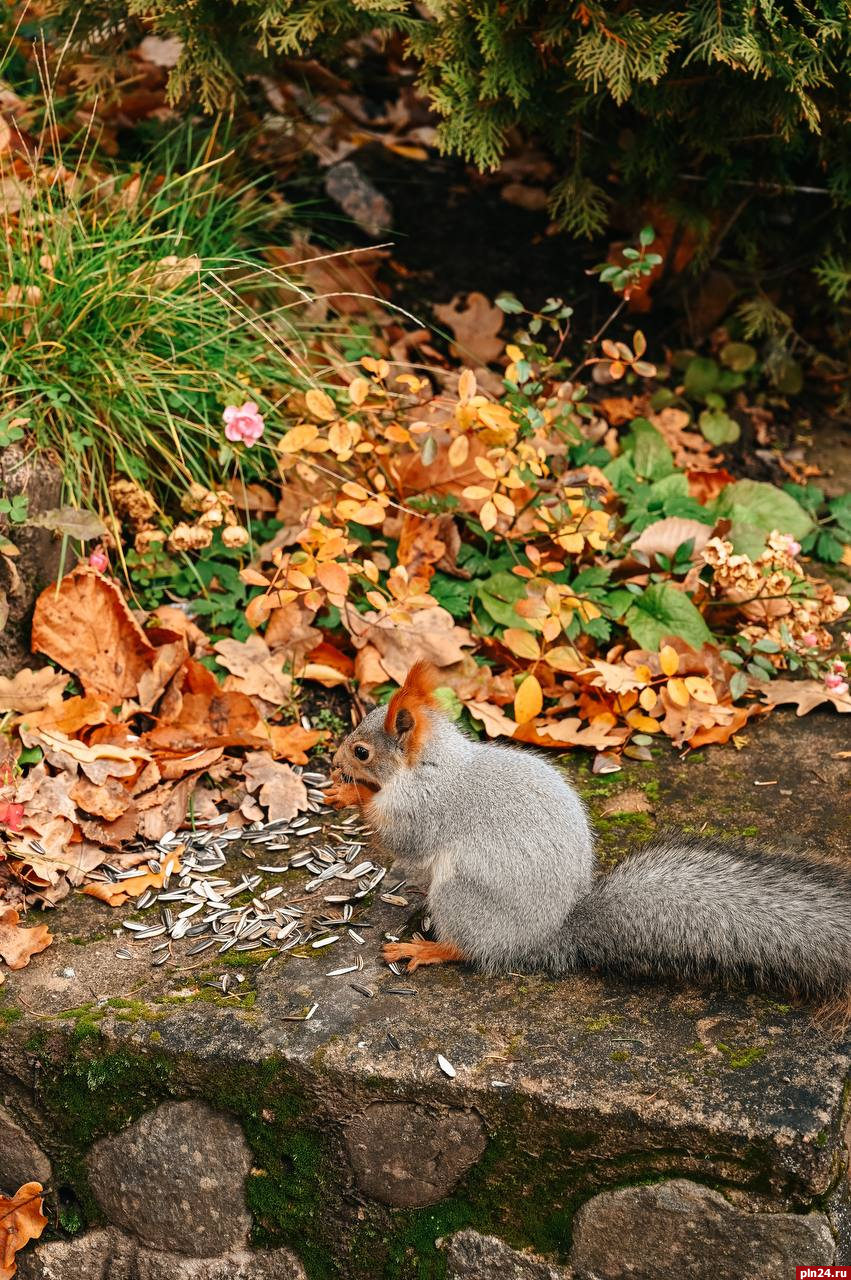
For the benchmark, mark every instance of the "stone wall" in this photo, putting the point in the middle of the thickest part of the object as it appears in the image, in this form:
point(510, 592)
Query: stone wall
point(166, 1196)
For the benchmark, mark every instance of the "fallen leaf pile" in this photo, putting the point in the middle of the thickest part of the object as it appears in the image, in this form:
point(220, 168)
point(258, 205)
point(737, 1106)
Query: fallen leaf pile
point(110, 752)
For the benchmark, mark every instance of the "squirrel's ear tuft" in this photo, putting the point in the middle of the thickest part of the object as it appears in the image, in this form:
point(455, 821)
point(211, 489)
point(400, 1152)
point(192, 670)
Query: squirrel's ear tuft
point(406, 718)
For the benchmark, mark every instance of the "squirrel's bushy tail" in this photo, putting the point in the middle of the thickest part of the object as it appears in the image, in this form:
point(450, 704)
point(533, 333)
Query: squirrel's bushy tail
point(693, 908)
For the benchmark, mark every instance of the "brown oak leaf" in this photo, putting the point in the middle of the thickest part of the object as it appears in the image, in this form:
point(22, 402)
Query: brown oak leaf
point(278, 789)
point(116, 893)
point(21, 1220)
point(805, 694)
point(17, 944)
point(30, 690)
point(475, 323)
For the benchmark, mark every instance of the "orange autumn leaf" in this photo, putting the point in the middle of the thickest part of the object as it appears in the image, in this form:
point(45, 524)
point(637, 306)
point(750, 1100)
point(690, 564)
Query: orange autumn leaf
point(116, 893)
point(292, 742)
point(669, 660)
point(17, 944)
point(85, 626)
point(528, 700)
point(21, 1220)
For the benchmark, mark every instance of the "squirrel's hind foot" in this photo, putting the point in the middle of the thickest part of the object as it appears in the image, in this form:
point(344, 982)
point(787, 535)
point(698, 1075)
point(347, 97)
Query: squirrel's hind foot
point(417, 953)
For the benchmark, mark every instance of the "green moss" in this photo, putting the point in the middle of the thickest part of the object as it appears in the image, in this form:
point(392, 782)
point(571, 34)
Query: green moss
point(617, 832)
point(741, 1055)
point(621, 1055)
point(9, 1014)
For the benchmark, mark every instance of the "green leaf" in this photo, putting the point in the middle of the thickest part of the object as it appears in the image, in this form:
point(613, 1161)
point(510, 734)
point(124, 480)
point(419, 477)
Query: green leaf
point(759, 507)
point(738, 684)
point(498, 594)
point(701, 377)
point(509, 304)
point(651, 457)
point(646, 236)
point(452, 593)
point(828, 548)
point(739, 356)
point(662, 611)
point(719, 428)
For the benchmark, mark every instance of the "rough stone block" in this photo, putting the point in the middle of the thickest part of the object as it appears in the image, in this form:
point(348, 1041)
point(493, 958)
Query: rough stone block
point(679, 1228)
point(21, 1159)
point(472, 1256)
point(111, 1255)
point(405, 1155)
point(176, 1179)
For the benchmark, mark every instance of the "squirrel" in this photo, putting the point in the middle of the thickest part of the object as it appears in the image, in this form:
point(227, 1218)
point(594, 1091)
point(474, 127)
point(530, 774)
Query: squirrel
point(514, 885)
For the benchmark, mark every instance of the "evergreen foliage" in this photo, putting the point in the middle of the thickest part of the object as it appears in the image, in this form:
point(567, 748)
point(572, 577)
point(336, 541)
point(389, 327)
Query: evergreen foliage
point(642, 98)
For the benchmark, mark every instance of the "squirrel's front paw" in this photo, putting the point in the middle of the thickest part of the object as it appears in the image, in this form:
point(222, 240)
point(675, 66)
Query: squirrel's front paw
point(342, 794)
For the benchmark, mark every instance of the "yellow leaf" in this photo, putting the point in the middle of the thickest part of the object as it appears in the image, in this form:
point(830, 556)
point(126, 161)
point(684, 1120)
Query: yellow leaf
point(475, 492)
point(458, 451)
point(700, 689)
point(521, 643)
point(488, 515)
point(340, 437)
point(333, 578)
point(669, 660)
point(513, 352)
point(648, 699)
point(410, 380)
point(562, 658)
point(486, 467)
point(846, 555)
point(320, 405)
point(643, 674)
point(528, 700)
point(299, 580)
point(358, 390)
point(354, 490)
point(466, 385)
point(298, 438)
point(645, 724)
point(678, 693)
point(497, 416)
point(378, 368)
point(504, 504)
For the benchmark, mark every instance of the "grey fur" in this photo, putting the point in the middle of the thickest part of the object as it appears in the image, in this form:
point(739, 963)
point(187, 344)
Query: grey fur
point(508, 850)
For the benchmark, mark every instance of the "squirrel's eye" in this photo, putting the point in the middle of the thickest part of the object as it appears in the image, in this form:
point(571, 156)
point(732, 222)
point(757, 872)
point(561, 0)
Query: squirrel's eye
point(361, 752)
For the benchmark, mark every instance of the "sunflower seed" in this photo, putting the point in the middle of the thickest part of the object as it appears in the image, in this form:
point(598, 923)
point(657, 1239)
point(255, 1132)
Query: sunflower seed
point(446, 1066)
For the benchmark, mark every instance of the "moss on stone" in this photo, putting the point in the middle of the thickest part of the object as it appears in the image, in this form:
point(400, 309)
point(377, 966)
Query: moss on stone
point(739, 1056)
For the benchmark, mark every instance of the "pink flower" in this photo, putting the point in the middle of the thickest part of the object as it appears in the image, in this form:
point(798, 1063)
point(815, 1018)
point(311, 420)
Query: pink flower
point(244, 423)
point(838, 667)
point(810, 639)
point(793, 547)
point(834, 682)
point(99, 560)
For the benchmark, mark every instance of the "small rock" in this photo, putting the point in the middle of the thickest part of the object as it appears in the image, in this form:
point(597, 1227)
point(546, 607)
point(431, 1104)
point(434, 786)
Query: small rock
point(357, 197)
point(21, 1159)
point(679, 1228)
point(110, 1253)
point(406, 1155)
point(176, 1179)
point(471, 1256)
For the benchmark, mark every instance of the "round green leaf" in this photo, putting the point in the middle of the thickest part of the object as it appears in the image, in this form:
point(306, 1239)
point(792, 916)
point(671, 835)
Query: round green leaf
point(718, 427)
point(739, 356)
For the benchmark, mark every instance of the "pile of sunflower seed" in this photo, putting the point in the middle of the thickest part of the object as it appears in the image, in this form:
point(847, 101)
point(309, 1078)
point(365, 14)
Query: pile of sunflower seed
point(198, 903)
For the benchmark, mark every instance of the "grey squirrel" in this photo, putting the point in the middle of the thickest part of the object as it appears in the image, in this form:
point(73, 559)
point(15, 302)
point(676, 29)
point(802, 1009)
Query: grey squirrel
point(508, 851)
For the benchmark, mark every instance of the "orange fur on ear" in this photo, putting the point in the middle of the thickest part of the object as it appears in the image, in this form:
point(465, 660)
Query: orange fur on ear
point(415, 696)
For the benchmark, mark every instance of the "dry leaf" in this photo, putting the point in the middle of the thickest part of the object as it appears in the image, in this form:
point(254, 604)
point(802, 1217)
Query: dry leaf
point(17, 944)
point(599, 735)
point(281, 792)
point(108, 801)
point(529, 700)
point(254, 670)
point(30, 690)
point(475, 322)
point(98, 761)
point(292, 742)
point(84, 625)
point(115, 894)
point(633, 800)
point(805, 694)
point(663, 537)
point(70, 716)
point(21, 1220)
point(207, 716)
point(429, 633)
point(497, 723)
